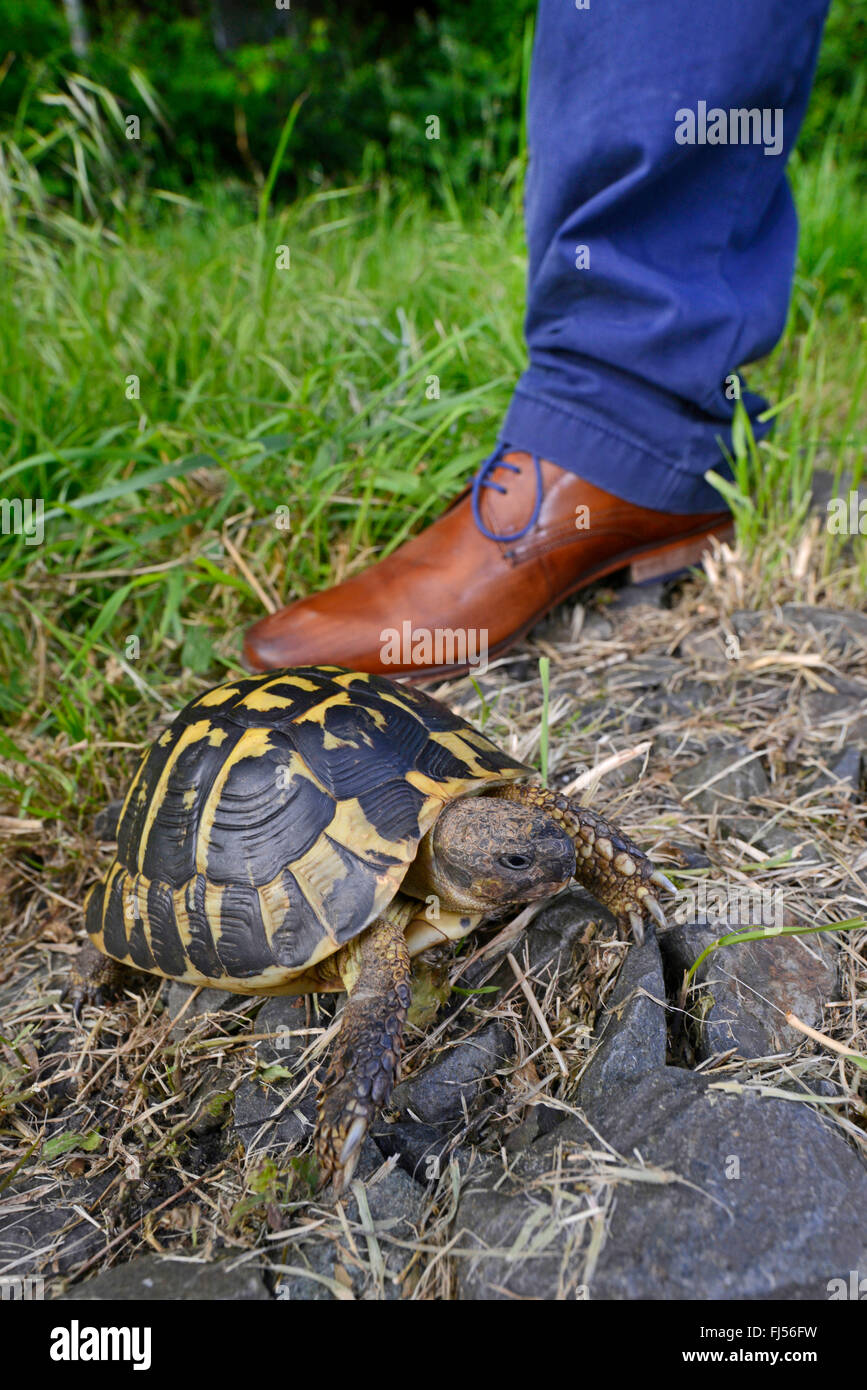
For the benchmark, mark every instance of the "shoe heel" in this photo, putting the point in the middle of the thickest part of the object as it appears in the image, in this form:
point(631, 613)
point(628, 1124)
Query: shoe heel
point(671, 559)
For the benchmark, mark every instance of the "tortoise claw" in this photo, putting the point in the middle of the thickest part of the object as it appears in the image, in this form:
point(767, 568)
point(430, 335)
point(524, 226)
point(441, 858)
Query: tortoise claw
point(661, 881)
point(636, 921)
point(93, 979)
point(78, 993)
point(337, 1160)
point(341, 1175)
point(653, 907)
point(352, 1142)
point(78, 998)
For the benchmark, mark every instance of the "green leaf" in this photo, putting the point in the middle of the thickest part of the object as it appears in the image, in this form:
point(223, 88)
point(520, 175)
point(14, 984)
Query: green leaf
point(275, 1073)
point(62, 1143)
point(271, 179)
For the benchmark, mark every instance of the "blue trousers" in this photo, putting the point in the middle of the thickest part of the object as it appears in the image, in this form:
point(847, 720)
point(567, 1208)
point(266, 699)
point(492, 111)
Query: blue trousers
point(661, 232)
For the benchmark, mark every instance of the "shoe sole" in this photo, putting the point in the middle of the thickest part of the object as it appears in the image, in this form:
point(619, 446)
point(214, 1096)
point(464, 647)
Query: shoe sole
point(658, 562)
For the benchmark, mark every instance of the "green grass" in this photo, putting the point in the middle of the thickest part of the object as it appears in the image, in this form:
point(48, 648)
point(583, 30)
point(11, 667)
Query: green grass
point(285, 414)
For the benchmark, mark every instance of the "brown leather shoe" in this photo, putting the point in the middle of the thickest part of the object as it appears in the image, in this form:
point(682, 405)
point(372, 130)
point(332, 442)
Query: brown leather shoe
point(453, 595)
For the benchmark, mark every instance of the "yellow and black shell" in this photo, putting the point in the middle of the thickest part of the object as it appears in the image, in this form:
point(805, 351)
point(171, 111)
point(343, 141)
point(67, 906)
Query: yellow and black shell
point(275, 818)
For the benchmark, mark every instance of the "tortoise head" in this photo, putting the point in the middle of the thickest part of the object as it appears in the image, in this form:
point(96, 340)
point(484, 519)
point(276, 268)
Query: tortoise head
point(485, 853)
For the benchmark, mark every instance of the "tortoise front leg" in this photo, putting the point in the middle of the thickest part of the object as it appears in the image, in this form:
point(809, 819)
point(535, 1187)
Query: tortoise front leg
point(607, 863)
point(376, 975)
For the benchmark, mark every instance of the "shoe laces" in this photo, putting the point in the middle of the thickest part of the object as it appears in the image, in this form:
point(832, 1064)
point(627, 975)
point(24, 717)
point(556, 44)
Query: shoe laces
point(483, 479)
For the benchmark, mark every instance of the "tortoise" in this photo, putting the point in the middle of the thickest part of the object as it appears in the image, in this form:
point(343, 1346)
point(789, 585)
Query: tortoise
point(288, 832)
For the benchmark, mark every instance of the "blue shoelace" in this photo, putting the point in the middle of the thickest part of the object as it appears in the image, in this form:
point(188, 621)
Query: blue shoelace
point(483, 479)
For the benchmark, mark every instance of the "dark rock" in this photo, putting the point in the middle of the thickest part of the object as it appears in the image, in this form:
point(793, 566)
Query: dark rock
point(779, 840)
point(685, 856)
point(839, 629)
point(592, 718)
point(542, 1120)
point(845, 776)
point(841, 712)
point(421, 1150)
point(744, 1197)
point(522, 669)
point(792, 1218)
point(648, 595)
point(678, 701)
point(208, 1001)
point(437, 1094)
point(559, 625)
point(551, 944)
point(644, 673)
point(682, 697)
point(553, 940)
point(283, 1017)
point(632, 1028)
point(820, 1086)
point(395, 1202)
point(845, 628)
point(751, 985)
point(40, 1230)
point(498, 1218)
point(752, 1198)
point(263, 1122)
point(522, 1135)
point(729, 786)
point(746, 620)
point(548, 1118)
point(314, 1273)
point(690, 695)
point(149, 1278)
point(319, 1271)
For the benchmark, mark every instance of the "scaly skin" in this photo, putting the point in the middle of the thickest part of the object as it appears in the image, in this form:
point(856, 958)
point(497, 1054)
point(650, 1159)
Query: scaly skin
point(93, 979)
point(365, 1057)
point(608, 864)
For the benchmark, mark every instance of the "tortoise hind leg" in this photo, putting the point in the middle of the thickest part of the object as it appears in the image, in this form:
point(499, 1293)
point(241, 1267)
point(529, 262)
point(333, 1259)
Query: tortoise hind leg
point(376, 974)
point(93, 978)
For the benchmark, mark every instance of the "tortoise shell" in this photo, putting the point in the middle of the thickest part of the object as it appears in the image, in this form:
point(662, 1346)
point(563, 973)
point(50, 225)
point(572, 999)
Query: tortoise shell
point(275, 818)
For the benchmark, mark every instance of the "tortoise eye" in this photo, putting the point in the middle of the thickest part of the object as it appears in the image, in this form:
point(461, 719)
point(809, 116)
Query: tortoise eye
point(515, 861)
